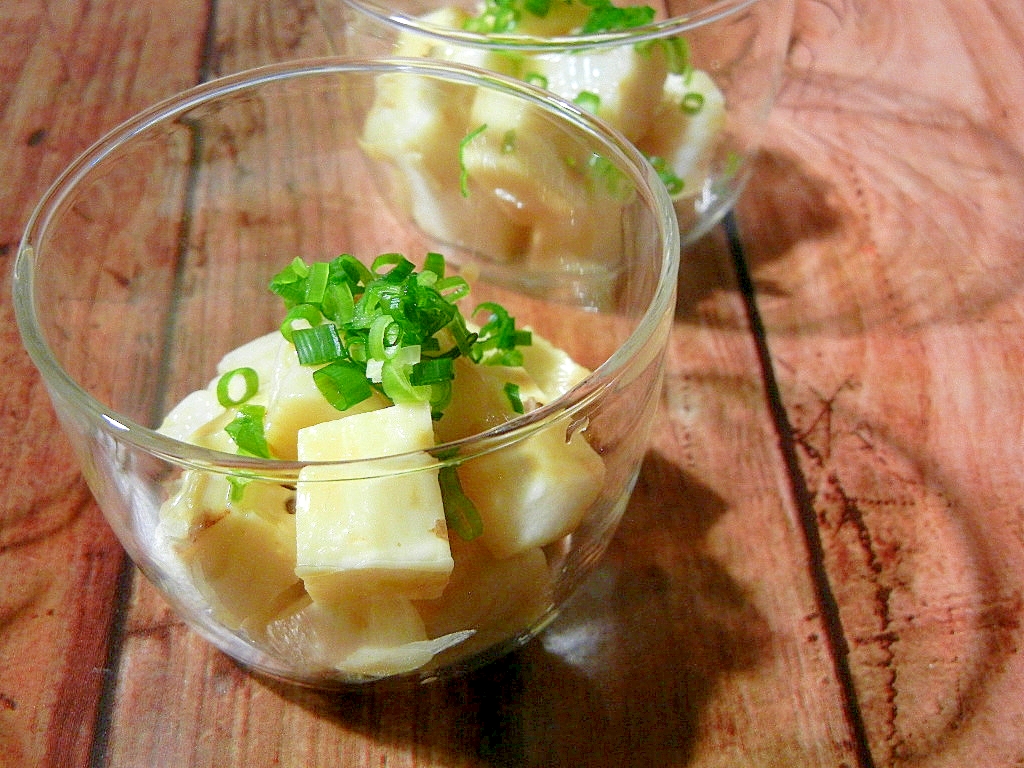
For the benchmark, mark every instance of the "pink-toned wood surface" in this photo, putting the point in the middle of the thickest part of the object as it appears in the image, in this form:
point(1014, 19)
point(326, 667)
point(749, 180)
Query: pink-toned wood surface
point(821, 565)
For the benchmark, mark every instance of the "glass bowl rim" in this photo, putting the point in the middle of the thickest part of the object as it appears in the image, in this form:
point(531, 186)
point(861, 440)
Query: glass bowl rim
point(187, 455)
point(656, 30)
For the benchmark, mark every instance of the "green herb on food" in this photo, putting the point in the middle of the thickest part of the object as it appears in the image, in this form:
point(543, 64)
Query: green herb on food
point(589, 101)
point(399, 334)
point(250, 381)
point(607, 17)
point(667, 174)
point(512, 393)
point(247, 431)
point(463, 171)
point(693, 103)
point(460, 514)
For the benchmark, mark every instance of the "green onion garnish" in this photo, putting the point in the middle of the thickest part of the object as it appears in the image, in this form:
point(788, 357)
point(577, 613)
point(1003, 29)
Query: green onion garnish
point(400, 333)
point(667, 174)
point(536, 78)
point(460, 513)
point(508, 142)
point(606, 17)
point(238, 484)
point(317, 345)
point(316, 282)
point(247, 431)
point(432, 371)
point(250, 379)
point(693, 102)
point(463, 171)
point(306, 312)
point(343, 384)
point(589, 101)
point(537, 7)
point(512, 393)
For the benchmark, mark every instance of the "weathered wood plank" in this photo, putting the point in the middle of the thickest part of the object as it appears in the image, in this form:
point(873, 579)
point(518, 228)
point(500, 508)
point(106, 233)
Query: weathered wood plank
point(885, 236)
point(68, 74)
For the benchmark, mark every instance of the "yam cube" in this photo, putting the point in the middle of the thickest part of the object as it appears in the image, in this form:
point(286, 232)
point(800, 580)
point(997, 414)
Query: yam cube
point(243, 562)
point(534, 492)
point(628, 83)
point(497, 598)
point(686, 140)
point(359, 535)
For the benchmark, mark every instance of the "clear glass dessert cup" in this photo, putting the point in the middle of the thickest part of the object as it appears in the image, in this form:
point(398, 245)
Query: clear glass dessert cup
point(149, 259)
point(690, 82)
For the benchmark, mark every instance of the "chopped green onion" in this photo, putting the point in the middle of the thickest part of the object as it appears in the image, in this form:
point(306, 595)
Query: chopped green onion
point(460, 513)
point(537, 79)
point(432, 371)
point(352, 268)
point(389, 327)
point(693, 102)
point(512, 393)
point(224, 386)
point(667, 174)
point(508, 141)
point(452, 288)
point(246, 430)
point(306, 312)
point(317, 345)
point(343, 383)
point(678, 51)
point(434, 263)
point(400, 267)
point(463, 171)
point(316, 282)
point(611, 177)
point(395, 381)
point(537, 7)
point(606, 17)
point(338, 304)
point(238, 484)
point(589, 101)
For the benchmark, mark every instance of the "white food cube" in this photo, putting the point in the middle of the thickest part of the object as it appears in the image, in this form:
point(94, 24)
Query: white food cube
point(685, 141)
point(554, 371)
point(294, 402)
point(371, 535)
point(496, 598)
point(244, 562)
point(417, 125)
point(534, 492)
point(628, 83)
point(479, 401)
point(417, 45)
point(541, 181)
point(260, 354)
point(200, 499)
point(373, 637)
point(191, 414)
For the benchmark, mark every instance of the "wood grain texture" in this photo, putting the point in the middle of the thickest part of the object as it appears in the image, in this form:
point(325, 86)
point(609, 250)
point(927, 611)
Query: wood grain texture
point(885, 238)
point(874, 403)
point(69, 74)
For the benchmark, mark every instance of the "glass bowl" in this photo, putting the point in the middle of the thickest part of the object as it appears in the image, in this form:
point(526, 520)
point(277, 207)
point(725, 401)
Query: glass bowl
point(690, 82)
point(141, 286)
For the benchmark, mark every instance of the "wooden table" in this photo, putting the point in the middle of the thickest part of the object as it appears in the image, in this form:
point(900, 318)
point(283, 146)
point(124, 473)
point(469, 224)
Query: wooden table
point(823, 561)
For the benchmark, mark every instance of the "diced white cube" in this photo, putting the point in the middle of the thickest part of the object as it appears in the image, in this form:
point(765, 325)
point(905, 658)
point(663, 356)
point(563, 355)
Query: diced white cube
point(360, 535)
point(294, 402)
point(687, 141)
point(244, 561)
point(534, 492)
point(627, 82)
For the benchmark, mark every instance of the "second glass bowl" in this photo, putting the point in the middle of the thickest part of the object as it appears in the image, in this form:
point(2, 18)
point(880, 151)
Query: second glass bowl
point(690, 82)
